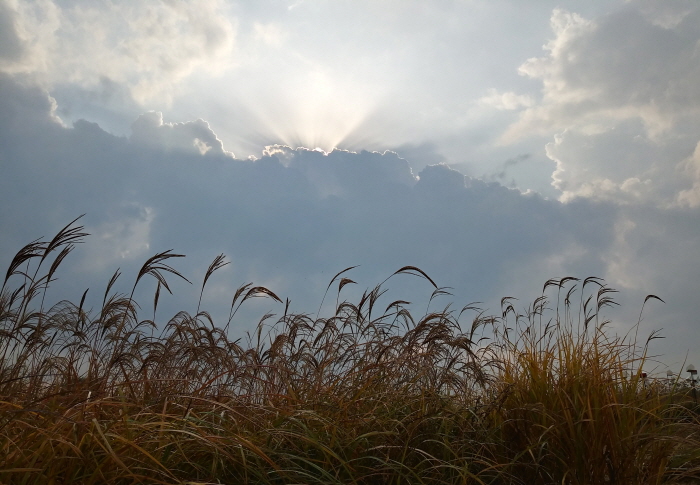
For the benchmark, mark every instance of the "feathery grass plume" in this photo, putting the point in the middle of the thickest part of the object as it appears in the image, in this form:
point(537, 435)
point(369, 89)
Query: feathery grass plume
point(357, 396)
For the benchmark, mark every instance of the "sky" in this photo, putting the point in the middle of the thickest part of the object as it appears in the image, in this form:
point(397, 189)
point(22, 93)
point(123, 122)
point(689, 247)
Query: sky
point(493, 144)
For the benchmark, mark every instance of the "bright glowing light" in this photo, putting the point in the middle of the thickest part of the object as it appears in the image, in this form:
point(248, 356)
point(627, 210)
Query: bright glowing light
point(314, 109)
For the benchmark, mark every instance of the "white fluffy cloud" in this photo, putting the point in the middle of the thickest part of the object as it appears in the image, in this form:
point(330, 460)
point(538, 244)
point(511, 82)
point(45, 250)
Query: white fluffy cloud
point(621, 91)
point(148, 46)
point(620, 66)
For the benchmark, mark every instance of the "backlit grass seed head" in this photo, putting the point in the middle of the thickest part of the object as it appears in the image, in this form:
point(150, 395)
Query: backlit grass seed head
point(370, 393)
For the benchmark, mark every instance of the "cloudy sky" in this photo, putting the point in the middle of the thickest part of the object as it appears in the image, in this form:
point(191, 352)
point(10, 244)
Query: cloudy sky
point(493, 143)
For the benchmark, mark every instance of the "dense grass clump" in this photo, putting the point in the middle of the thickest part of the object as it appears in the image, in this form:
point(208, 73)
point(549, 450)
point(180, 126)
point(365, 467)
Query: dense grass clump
point(367, 395)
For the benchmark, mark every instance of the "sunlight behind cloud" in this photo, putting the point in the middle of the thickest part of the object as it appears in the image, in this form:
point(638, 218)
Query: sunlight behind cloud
point(178, 124)
point(315, 109)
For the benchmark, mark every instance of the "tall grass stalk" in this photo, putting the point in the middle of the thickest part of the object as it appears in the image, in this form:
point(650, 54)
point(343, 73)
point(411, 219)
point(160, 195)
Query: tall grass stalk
point(365, 395)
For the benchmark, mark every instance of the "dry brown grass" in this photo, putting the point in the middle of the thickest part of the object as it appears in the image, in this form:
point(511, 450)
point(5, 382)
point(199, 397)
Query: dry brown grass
point(365, 395)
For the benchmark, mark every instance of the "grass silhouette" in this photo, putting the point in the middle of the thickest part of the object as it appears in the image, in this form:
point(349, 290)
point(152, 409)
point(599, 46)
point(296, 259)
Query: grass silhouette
point(366, 395)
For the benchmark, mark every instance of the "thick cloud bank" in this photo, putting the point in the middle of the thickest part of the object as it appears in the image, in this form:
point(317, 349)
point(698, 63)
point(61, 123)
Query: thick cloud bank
point(294, 217)
point(609, 112)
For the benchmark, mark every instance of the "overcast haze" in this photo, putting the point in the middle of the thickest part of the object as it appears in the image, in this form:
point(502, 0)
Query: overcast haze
point(493, 144)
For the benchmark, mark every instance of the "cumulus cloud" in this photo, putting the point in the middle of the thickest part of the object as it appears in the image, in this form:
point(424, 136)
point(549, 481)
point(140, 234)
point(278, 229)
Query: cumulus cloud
point(421, 154)
point(618, 163)
point(147, 46)
point(149, 130)
point(11, 48)
point(622, 96)
point(294, 217)
point(620, 66)
point(291, 216)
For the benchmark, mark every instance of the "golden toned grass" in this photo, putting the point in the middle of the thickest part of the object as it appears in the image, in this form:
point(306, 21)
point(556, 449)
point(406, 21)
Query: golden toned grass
point(366, 395)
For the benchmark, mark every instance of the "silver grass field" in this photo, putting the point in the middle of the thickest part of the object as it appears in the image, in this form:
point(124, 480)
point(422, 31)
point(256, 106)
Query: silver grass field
point(366, 395)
